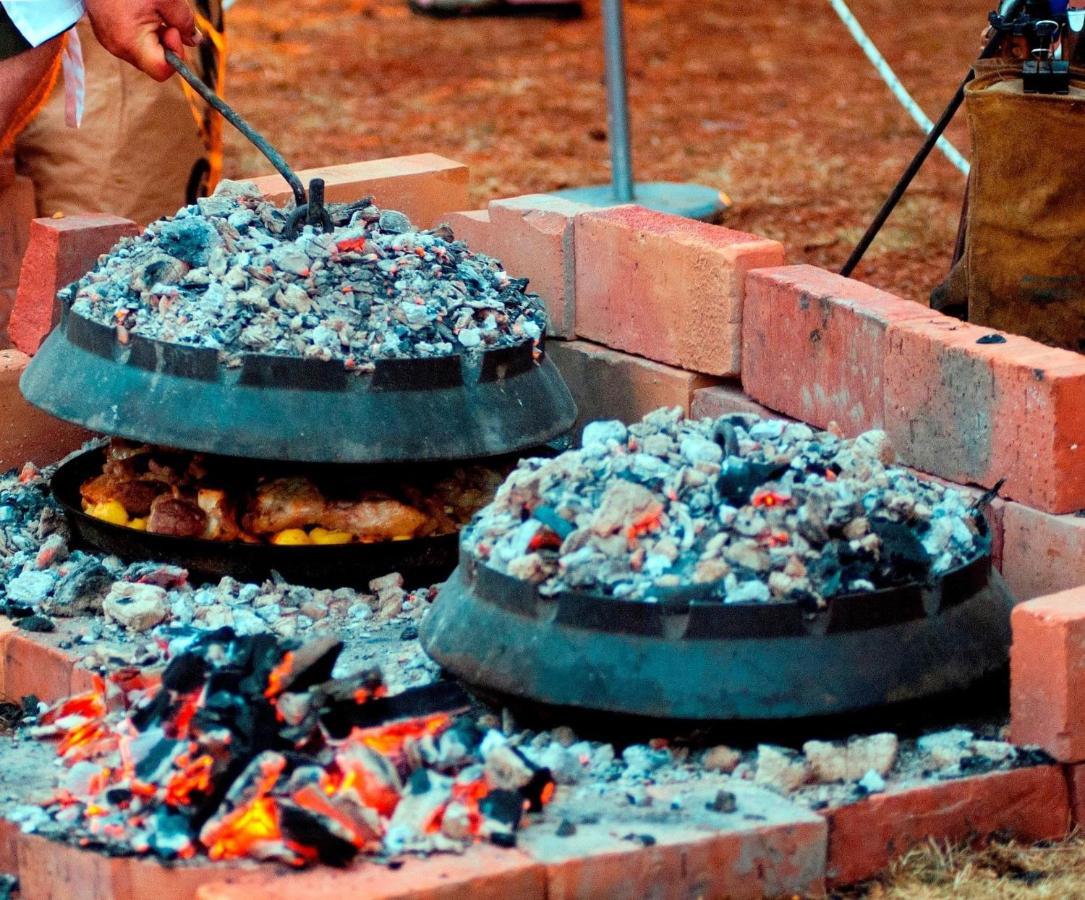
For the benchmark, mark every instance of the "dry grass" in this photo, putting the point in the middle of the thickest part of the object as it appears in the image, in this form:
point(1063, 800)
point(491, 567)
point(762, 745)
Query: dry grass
point(1006, 871)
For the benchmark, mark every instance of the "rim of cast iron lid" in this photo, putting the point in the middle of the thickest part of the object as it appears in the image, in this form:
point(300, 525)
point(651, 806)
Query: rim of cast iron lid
point(698, 612)
point(459, 406)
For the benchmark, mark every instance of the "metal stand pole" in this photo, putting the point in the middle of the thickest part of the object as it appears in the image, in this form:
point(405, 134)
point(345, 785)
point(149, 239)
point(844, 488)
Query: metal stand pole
point(695, 201)
point(621, 156)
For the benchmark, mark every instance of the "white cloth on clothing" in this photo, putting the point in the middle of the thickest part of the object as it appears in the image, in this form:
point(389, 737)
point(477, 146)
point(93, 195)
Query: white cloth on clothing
point(39, 20)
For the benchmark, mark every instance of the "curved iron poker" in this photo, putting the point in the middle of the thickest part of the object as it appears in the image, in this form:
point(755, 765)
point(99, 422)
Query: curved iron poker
point(309, 211)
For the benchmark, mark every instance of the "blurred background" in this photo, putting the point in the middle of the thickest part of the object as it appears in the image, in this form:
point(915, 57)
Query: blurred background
point(773, 103)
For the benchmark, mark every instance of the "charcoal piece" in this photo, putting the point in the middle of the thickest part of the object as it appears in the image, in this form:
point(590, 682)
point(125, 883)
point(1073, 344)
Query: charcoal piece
point(566, 829)
point(419, 782)
point(257, 656)
point(410, 633)
point(118, 795)
point(15, 610)
point(826, 570)
point(724, 802)
point(185, 673)
point(739, 478)
point(307, 828)
point(82, 590)
point(992, 339)
point(645, 840)
point(502, 808)
point(9, 884)
point(902, 554)
point(537, 791)
point(172, 834)
point(339, 717)
point(549, 517)
point(311, 664)
point(36, 623)
point(154, 712)
point(152, 767)
point(724, 434)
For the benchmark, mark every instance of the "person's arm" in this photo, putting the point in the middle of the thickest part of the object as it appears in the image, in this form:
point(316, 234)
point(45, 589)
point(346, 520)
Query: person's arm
point(137, 31)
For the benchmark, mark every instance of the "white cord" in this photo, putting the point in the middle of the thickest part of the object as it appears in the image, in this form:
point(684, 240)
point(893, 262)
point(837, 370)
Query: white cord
point(894, 83)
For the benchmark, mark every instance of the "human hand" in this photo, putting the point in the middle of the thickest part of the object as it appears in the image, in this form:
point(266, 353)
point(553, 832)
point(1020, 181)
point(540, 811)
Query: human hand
point(139, 31)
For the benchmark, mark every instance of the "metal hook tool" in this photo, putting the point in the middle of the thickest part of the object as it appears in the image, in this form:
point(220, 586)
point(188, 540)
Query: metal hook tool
point(307, 211)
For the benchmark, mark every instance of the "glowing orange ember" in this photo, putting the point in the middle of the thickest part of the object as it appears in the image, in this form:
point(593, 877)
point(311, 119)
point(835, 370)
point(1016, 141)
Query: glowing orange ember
point(648, 522)
point(389, 739)
point(276, 681)
point(769, 498)
point(194, 777)
point(351, 245)
point(243, 829)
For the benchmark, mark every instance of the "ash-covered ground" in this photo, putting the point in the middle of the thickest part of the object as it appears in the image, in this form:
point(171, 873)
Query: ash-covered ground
point(107, 614)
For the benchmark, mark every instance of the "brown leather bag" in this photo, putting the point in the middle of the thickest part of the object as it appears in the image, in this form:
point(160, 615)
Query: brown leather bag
point(1022, 262)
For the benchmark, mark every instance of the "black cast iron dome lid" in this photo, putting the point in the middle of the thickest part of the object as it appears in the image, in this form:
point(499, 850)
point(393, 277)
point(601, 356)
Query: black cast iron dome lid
point(287, 408)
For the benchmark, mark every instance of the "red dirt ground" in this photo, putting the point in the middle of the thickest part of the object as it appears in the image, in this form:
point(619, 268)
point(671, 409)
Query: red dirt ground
point(771, 102)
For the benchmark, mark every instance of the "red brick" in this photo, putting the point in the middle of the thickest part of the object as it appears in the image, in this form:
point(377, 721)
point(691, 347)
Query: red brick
point(813, 345)
point(782, 853)
point(611, 385)
point(1075, 780)
point(53, 871)
point(1047, 675)
point(482, 873)
point(30, 665)
point(59, 252)
point(1031, 804)
point(28, 433)
point(664, 287)
point(425, 187)
point(978, 413)
point(728, 399)
point(534, 237)
point(7, 170)
point(1043, 553)
point(16, 210)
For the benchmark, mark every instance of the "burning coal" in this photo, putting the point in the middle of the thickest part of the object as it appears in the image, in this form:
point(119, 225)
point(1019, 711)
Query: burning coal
point(755, 510)
point(246, 747)
point(221, 274)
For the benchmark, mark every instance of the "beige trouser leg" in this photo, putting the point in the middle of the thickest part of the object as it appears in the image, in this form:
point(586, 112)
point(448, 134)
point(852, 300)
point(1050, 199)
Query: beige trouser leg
point(24, 84)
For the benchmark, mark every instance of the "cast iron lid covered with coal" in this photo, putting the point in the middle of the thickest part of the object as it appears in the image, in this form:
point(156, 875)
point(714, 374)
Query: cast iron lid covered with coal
point(373, 342)
point(717, 570)
point(319, 333)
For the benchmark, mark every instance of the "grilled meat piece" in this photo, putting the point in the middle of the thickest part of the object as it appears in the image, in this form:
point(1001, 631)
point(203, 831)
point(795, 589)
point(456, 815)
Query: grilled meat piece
point(284, 503)
point(298, 503)
point(221, 515)
point(177, 517)
point(375, 518)
point(136, 496)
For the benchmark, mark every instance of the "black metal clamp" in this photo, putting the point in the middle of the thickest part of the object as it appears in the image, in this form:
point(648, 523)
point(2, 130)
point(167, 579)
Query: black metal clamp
point(307, 211)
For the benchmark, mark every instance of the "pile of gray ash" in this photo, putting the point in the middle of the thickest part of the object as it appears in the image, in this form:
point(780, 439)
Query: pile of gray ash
point(758, 511)
point(222, 274)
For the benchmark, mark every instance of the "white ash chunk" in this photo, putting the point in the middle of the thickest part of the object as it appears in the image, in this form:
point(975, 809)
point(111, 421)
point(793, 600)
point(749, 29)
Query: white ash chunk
point(138, 607)
point(946, 749)
point(831, 762)
point(872, 782)
point(780, 768)
point(721, 759)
